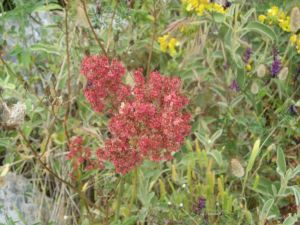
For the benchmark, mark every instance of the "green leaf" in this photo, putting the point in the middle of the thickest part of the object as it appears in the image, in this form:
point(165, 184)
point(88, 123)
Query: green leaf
point(236, 101)
point(130, 221)
point(47, 7)
point(201, 138)
point(216, 135)
point(291, 220)
point(281, 164)
point(295, 172)
point(227, 203)
point(50, 49)
point(25, 58)
point(241, 77)
point(246, 16)
point(217, 156)
point(265, 210)
point(261, 28)
point(10, 221)
point(6, 85)
point(296, 191)
point(218, 17)
point(254, 154)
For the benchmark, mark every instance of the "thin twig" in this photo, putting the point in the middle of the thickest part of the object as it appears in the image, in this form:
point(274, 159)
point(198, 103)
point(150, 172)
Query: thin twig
point(91, 27)
point(111, 25)
point(36, 155)
point(69, 76)
point(153, 38)
point(18, 76)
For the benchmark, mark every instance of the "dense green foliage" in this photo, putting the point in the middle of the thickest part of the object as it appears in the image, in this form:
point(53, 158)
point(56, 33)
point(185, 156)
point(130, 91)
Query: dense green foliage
point(242, 156)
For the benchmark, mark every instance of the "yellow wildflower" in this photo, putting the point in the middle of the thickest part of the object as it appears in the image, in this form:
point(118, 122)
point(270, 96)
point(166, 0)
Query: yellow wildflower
point(204, 2)
point(163, 43)
point(200, 6)
point(281, 15)
point(276, 16)
point(248, 67)
point(285, 24)
point(200, 9)
point(183, 29)
point(262, 18)
point(168, 44)
point(172, 46)
point(191, 4)
point(293, 39)
point(216, 7)
point(272, 12)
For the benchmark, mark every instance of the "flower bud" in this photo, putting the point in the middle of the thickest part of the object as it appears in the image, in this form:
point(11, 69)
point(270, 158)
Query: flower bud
point(254, 88)
point(295, 19)
point(236, 168)
point(261, 70)
point(283, 73)
point(271, 147)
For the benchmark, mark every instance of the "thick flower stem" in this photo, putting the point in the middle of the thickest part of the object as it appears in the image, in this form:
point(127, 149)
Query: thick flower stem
point(134, 188)
point(121, 186)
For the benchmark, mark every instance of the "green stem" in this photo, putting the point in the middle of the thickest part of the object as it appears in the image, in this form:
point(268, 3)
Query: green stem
point(244, 184)
point(92, 29)
point(121, 186)
point(134, 188)
point(152, 39)
point(109, 32)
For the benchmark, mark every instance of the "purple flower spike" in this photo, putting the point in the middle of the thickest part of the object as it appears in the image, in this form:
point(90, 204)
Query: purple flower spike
point(225, 66)
point(292, 110)
point(200, 205)
point(234, 86)
point(276, 67)
point(247, 55)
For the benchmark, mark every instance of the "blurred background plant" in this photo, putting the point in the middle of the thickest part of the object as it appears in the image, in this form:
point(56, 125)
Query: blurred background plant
point(240, 163)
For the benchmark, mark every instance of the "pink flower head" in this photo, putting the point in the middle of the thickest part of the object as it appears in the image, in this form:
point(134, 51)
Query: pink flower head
point(147, 121)
point(104, 82)
point(152, 124)
point(80, 155)
point(122, 155)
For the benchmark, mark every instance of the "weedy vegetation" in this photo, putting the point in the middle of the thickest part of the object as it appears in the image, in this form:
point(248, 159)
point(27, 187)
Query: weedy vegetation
point(153, 111)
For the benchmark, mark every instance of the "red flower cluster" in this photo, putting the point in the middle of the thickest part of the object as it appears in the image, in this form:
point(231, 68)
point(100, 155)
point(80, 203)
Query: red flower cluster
point(104, 87)
point(150, 125)
point(147, 120)
point(79, 155)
